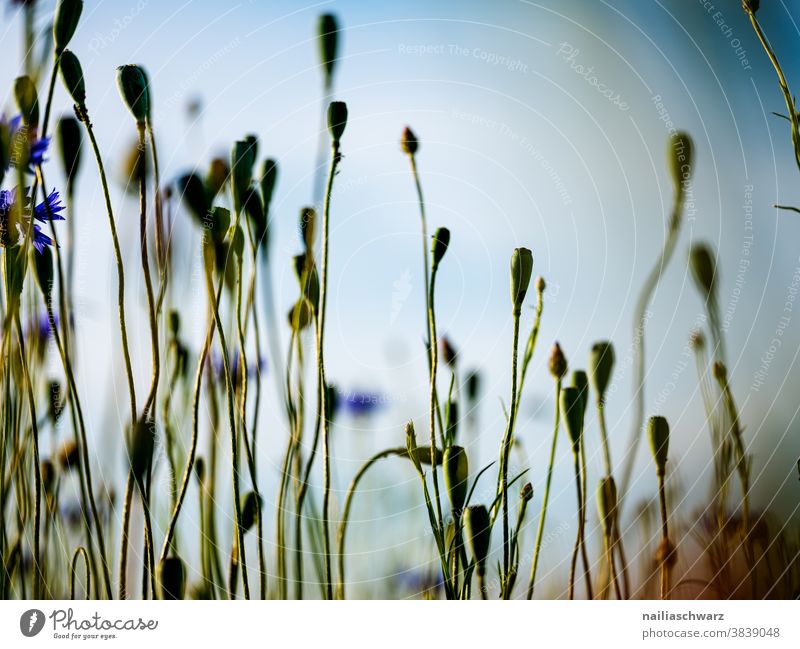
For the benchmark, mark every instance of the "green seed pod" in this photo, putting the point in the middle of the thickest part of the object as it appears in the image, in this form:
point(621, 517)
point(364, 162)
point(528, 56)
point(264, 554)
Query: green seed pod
point(68, 455)
point(27, 101)
point(300, 314)
point(521, 269)
point(557, 363)
point(331, 401)
point(141, 444)
point(422, 455)
point(456, 476)
point(69, 146)
point(451, 422)
point(134, 90)
point(193, 192)
point(174, 321)
point(581, 381)
point(572, 414)
point(441, 241)
point(679, 154)
point(250, 507)
point(220, 222)
point(540, 285)
point(328, 35)
point(306, 272)
point(308, 227)
point(701, 260)
point(217, 177)
point(43, 270)
point(242, 161)
point(171, 578)
point(255, 212)
point(526, 493)
point(337, 120)
point(479, 534)
point(601, 366)
point(269, 178)
point(409, 142)
point(200, 469)
point(751, 6)
point(658, 433)
point(72, 77)
point(65, 22)
point(449, 353)
point(473, 386)
point(607, 503)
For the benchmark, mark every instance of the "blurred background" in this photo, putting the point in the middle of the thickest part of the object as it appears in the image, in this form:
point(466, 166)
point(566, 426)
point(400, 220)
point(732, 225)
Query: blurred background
point(541, 124)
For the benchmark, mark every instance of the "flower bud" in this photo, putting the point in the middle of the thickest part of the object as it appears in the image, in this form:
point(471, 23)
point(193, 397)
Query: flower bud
point(456, 476)
point(658, 433)
point(27, 101)
point(479, 534)
point(557, 363)
point(521, 269)
point(473, 386)
point(540, 285)
point(679, 154)
point(526, 493)
point(701, 260)
point(254, 209)
point(607, 503)
point(242, 161)
point(601, 365)
point(72, 77)
point(751, 6)
point(134, 90)
point(65, 22)
point(171, 578)
point(193, 192)
point(441, 241)
point(217, 177)
point(451, 422)
point(572, 414)
point(141, 444)
point(300, 314)
point(337, 120)
point(269, 178)
point(200, 469)
point(409, 142)
point(328, 35)
point(306, 272)
point(449, 353)
point(68, 455)
point(581, 381)
point(250, 507)
point(69, 146)
point(308, 227)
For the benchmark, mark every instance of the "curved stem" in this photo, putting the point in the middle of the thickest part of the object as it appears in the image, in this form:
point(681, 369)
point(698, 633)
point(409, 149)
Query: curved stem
point(80, 551)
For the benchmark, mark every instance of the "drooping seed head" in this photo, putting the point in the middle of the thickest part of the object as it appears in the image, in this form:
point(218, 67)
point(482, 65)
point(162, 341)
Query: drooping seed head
point(557, 363)
point(572, 414)
point(521, 269)
point(658, 434)
point(581, 381)
point(65, 22)
point(607, 503)
point(27, 101)
point(69, 146)
point(72, 77)
point(456, 475)
point(134, 90)
point(601, 366)
point(479, 533)
point(328, 35)
point(337, 120)
point(409, 142)
point(679, 154)
point(171, 578)
point(701, 260)
point(441, 241)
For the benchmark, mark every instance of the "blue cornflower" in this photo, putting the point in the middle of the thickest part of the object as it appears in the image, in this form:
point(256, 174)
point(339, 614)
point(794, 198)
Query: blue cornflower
point(37, 155)
point(362, 404)
point(41, 213)
point(8, 198)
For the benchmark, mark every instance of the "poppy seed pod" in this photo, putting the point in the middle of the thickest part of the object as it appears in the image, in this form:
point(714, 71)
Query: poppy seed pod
point(68, 455)
point(540, 285)
point(27, 101)
point(43, 270)
point(441, 241)
point(69, 146)
point(328, 35)
point(217, 177)
point(134, 90)
point(65, 22)
point(701, 260)
point(141, 444)
point(242, 161)
point(473, 386)
point(72, 76)
point(337, 120)
point(751, 6)
point(200, 469)
point(300, 314)
point(308, 227)
point(607, 503)
point(269, 178)
point(601, 365)
point(526, 493)
point(451, 421)
point(306, 272)
point(192, 191)
point(449, 353)
point(521, 269)
point(456, 475)
point(581, 381)
point(679, 154)
point(572, 414)
point(409, 142)
point(479, 533)
point(171, 578)
point(250, 508)
point(557, 363)
point(658, 433)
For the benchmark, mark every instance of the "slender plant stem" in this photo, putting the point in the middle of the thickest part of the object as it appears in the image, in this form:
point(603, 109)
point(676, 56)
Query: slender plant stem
point(546, 499)
point(579, 537)
point(434, 354)
point(665, 560)
point(80, 552)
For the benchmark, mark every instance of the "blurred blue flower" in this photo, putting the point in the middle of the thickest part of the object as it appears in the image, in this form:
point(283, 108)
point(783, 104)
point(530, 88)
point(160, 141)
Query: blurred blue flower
point(38, 153)
point(41, 212)
point(361, 404)
point(8, 198)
